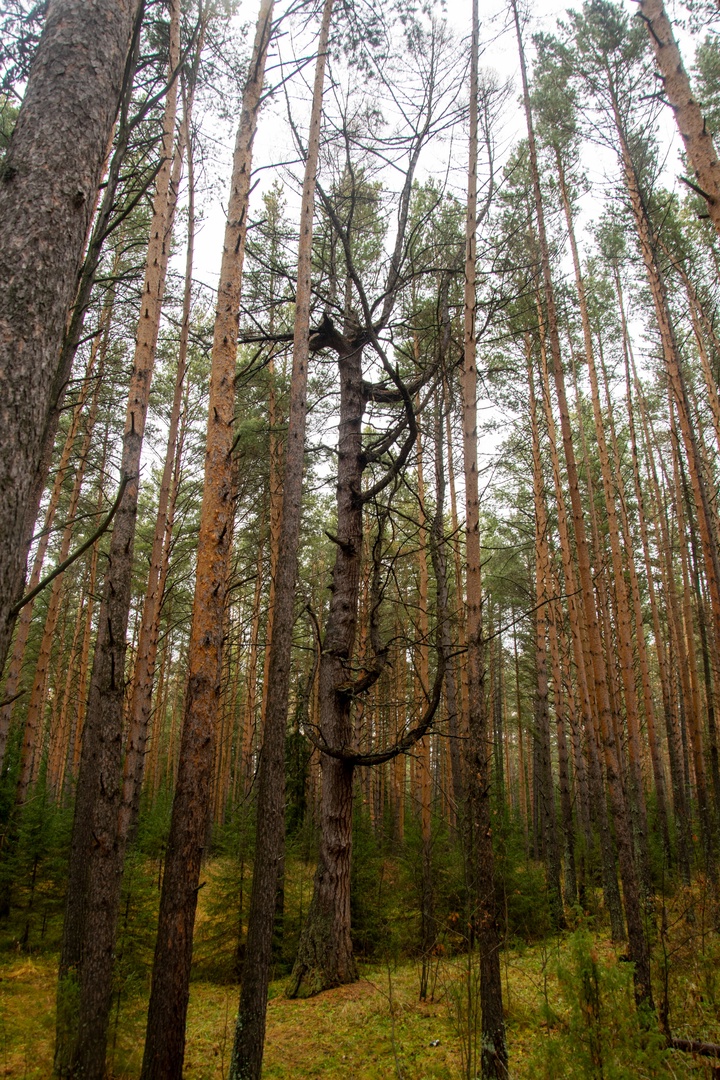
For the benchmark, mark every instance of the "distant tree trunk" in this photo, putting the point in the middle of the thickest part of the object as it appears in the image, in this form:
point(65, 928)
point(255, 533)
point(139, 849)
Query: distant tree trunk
point(640, 644)
point(76, 736)
point(638, 947)
point(427, 920)
point(494, 1057)
point(60, 734)
point(686, 527)
point(36, 705)
point(249, 710)
point(582, 665)
point(706, 515)
point(671, 725)
point(51, 173)
point(144, 671)
point(96, 850)
point(246, 1061)
point(167, 1011)
point(12, 681)
point(438, 549)
point(623, 628)
point(542, 713)
point(459, 602)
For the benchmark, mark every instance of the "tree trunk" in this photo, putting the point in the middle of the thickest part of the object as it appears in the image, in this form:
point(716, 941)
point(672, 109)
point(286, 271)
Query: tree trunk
point(144, 671)
point(494, 1057)
point(325, 956)
point(50, 173)
point(36, 704)
point(167, 1010)
point(12, 682)
point(623, 627)
point(691, 123)
point(542, 713)
point(96, 853)
point(638, 947)
point(247, 1055)
point(581, 657)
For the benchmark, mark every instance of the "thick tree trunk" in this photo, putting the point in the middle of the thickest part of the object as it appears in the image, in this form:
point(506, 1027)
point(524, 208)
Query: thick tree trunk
point(96, 850)
point(50, 178)
point(247, 1055)
point(325, 956)
point(167, 1010)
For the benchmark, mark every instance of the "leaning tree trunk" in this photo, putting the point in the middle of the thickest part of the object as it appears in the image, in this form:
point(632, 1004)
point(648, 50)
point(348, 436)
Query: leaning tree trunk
point(167, 1011)
point(50, 177)
point(691, 123)
point(85, 977)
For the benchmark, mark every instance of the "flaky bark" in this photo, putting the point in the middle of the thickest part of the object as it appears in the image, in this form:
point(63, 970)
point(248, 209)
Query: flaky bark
point(167, 1011)
point(688, 113)
point(50, 178)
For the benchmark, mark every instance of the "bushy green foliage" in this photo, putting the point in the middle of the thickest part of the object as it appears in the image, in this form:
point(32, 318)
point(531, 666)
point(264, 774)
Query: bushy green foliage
point(33, 872)
point(596, 1033)
point(373, 891)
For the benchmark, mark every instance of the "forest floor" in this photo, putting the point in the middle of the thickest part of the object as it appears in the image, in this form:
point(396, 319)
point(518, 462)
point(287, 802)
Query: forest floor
point(568, 1005)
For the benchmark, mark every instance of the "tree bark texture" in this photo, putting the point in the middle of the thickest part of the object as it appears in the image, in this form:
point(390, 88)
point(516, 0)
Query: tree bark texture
point(167, 1012)
point(96, 855)
point(246, 1062)
point(688, 114)
point(494, 1059)
point(325, 956)
point(50, 178)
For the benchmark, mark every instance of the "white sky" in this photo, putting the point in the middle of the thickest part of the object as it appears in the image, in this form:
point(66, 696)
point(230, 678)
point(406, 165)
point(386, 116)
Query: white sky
point(499, 52)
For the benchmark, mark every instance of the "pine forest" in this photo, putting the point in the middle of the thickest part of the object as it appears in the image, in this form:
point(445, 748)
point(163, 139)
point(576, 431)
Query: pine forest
point(359, 539)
